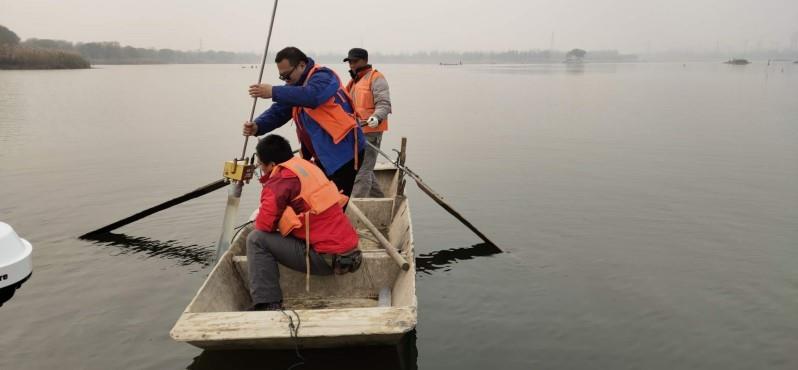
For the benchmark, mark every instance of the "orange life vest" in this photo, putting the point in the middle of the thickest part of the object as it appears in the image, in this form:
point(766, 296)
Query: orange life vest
point(332, 117)
point(363, 99)
point(318, 192)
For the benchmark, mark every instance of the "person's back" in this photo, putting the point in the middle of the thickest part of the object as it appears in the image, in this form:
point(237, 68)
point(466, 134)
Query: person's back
point(330, 231)
point(297, 201)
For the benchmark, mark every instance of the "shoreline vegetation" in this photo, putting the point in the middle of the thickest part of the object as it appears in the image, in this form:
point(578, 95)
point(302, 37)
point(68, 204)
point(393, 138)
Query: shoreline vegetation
point(19, 57)
point(111, 52)
point(13, 55)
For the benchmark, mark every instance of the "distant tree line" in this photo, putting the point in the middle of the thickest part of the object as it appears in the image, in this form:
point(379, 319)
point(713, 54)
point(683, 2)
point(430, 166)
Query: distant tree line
point(14, 55)
point(490, 57)
point(111, 52)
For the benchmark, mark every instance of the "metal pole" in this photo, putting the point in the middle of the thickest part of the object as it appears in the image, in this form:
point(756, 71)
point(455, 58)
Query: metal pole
point(230, 212)
point(234, 193)
point(260, 76)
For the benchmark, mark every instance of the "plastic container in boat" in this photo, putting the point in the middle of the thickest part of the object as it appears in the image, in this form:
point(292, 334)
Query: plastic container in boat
point(15, 262)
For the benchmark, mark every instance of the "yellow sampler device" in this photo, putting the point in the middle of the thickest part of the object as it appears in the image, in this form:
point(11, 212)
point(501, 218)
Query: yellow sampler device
point(239, 170)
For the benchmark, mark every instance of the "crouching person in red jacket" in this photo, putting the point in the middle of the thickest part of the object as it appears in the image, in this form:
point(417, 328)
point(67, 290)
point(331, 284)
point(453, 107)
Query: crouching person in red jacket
point(297, 201)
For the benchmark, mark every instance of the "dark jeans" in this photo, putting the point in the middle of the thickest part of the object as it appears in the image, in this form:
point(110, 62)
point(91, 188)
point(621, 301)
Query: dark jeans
point(344, 178)
point(265, 251)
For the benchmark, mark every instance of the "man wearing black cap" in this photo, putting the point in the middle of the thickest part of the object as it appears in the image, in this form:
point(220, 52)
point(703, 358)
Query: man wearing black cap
point(315, 98)
point(372, 102)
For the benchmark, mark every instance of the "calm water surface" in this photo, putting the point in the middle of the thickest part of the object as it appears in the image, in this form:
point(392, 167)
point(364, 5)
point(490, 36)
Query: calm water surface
point(650, 212)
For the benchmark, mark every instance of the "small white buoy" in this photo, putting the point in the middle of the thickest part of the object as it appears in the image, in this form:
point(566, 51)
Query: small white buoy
point(15, 262)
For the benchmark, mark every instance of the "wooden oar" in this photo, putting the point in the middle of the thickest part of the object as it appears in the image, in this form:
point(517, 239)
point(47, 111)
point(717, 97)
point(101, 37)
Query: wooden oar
point(196, 193)
point(436, 197)
point(218, 184)
point(384, 242)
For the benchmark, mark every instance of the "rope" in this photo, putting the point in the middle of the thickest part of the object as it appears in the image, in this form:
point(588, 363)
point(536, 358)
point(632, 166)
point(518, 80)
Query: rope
point(294, 332)
point(238, 230)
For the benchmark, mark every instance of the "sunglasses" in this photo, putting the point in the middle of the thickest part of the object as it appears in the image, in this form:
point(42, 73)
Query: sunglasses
point(287, 75)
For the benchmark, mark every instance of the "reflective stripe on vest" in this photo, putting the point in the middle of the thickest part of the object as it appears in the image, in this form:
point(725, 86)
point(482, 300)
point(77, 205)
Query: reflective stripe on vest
point(330, 116)
point(318, 192)
point(363, 99)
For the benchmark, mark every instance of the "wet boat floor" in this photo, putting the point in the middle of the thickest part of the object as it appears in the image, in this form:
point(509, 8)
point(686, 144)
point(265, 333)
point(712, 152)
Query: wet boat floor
point(368, 241)
point(320, 303)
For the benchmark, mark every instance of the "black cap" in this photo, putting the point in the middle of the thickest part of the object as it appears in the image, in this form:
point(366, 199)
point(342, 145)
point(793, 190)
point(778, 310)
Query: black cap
point(357, 53)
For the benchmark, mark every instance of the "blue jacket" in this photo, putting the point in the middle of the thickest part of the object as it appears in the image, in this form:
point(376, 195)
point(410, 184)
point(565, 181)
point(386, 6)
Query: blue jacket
point(321, 86)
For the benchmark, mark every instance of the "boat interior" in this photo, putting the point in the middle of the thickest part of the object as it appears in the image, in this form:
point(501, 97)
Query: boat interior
point(227, 287)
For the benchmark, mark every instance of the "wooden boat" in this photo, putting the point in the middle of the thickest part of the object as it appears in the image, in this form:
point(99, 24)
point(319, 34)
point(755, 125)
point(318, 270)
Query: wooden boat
point(339, 310)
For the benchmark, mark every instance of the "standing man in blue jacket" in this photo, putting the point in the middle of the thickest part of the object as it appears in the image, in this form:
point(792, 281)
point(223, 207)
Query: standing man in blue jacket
point(314, 98)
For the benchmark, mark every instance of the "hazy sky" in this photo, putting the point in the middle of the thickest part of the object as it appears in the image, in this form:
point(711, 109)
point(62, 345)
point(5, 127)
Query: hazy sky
point(411, 25)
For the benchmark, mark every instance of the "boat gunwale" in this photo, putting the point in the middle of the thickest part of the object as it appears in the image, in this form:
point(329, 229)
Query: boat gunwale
point(273, 325)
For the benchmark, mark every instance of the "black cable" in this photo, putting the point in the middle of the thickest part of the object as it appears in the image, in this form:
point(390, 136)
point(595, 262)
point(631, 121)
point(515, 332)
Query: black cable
point(238, 230)
point(294, 332)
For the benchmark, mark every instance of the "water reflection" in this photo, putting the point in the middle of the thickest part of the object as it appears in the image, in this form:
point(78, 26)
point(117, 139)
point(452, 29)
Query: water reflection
point(575, 68)
point(443, 259)
point(185, 255)
point(403, 356)
point(192, 254)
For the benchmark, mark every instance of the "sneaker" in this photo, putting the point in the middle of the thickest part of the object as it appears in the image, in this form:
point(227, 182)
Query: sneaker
point(271, 306)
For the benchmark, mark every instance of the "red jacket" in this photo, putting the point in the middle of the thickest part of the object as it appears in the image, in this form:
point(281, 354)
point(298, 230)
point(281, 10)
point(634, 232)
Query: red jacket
point(330, 231)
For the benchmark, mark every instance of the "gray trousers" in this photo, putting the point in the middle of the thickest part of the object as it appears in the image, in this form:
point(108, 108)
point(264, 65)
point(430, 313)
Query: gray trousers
point(366, 183)
point(265, 251)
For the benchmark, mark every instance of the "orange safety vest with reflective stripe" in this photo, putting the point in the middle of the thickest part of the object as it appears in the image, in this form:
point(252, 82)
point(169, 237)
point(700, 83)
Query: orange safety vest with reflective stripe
point(318, 192)
point(363, 99)
point(332, 117)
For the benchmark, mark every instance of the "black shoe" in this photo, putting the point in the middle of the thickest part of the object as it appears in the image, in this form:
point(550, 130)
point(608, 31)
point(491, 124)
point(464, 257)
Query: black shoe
point(271, 306)
point(349, 262)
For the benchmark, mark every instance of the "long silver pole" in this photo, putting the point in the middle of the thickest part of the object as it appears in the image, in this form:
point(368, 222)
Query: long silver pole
point(260, 76)
point(234, 193)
